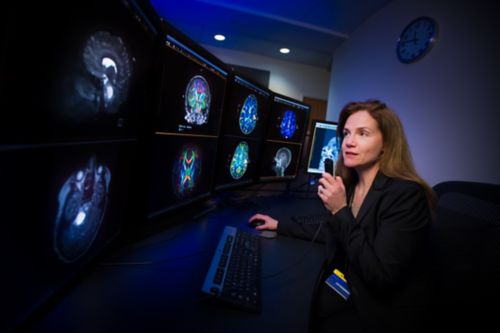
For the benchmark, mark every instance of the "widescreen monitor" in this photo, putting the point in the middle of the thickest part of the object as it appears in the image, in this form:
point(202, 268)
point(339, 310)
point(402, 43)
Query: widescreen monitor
point(247, 109)
point(192, 88)
point(187, 124)
point(325, 144)
point(242, 134)
point(62, 205)
point(285, 138)
point(76, 91)
point(88, 77)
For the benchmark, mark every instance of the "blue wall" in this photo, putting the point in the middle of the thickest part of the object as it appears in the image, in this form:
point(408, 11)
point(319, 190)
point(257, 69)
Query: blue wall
point(448, 101)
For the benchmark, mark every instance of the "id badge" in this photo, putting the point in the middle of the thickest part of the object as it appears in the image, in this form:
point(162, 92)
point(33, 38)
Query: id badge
point(338, 283)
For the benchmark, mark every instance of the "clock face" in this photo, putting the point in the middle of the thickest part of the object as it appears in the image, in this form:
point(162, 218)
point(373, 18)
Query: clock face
point(416, 39)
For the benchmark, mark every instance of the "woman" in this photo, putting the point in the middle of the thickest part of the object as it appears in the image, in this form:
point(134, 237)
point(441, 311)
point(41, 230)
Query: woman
point(380, 213)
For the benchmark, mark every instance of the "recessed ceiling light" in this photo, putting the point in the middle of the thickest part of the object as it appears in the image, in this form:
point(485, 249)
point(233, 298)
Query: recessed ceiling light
point(219, 37)
point(284, 50)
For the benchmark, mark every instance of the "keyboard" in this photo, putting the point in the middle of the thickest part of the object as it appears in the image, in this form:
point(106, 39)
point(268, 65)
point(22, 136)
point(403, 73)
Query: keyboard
point(310, 219)
point(234, 275)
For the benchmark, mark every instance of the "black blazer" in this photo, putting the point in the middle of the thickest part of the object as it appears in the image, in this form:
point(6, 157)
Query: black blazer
point(382, 252)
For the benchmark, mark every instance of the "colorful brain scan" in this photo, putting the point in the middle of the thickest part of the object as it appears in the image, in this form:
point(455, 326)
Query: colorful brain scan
point(186, 170)
point(248, 114)
point(107, 61)
point(197, 101)
point(240, 160)
point(82, 203)
point(282, 160)
point(288, 124)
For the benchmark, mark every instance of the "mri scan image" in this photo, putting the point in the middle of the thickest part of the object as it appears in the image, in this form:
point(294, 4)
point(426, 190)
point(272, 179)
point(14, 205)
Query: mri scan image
point(282, 160)
point(197, 101)
point(240, 160)
point(331, 151)
point(248, 115)
point(82, 203)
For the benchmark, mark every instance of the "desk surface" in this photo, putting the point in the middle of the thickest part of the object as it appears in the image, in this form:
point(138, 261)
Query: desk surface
point(154, 284)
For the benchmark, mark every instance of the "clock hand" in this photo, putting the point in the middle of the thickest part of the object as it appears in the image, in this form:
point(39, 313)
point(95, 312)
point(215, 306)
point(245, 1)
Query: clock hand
point(409, 40)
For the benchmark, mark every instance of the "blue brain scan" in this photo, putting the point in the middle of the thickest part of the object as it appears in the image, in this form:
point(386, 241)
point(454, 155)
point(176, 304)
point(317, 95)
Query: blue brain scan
point(240, 160)
point(331, 151)
point(282, 160)
point(248, 114)
point(100, 84)
point(82, 202)
point(197, 101)
point(288, 124)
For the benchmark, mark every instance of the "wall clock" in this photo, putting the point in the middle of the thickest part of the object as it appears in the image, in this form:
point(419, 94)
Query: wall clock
point(416, 39)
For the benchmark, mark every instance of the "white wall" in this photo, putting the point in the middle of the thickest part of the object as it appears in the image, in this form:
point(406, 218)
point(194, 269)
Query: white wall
point(448, 101)
point(286, 78)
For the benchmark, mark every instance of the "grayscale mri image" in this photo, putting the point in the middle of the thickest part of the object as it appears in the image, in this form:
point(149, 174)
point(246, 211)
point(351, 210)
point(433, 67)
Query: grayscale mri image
point(282, 160)
point(331, 151)
point(101, 83)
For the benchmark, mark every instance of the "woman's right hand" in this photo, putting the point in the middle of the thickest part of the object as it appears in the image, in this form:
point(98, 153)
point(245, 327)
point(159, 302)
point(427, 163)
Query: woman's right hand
point(269, 222)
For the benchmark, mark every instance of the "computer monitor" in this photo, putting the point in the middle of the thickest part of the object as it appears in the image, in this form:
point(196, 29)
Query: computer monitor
point(187, 124)
point(88, 77)
point(75, 93)
point(285, 137)
point(242, 134)
point(325, 144)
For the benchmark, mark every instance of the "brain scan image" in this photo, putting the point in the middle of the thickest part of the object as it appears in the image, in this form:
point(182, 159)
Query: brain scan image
point(186, 170)
point(248, 114)
point(282, 160)
point(197, 101)
point(240, 160)
point(82, 202)
point(331, 151)
point(288, 124)
point(101, 83)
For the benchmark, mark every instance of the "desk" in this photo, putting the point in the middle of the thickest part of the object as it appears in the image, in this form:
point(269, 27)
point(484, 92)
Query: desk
point(153, 285)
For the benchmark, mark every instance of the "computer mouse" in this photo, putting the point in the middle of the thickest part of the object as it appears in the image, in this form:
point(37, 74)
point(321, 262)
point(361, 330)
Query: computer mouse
point(255, 223)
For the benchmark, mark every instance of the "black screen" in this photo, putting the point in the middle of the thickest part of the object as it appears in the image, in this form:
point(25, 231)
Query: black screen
point(285, 137)
point(187, 124)
point(76, 78)
point(83, 76)
point(243, 129)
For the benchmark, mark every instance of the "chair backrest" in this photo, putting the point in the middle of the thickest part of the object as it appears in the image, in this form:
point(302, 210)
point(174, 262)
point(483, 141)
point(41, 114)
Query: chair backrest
point(465, 247)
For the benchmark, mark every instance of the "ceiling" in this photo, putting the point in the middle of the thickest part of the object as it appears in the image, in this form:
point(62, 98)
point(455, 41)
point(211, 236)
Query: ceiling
point(311, 29)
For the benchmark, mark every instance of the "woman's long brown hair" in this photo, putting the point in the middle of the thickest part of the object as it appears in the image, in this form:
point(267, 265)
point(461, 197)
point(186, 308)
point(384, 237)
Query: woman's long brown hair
point(396, 160)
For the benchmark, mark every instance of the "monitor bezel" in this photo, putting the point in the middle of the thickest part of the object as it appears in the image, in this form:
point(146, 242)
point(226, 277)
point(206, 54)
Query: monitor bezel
point(261, 139)
point(301, 143)
point(169, 33)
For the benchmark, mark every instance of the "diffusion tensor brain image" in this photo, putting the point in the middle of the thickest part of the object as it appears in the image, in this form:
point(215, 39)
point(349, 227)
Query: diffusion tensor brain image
point(186, 170)
point(248, 114)
point(197, 101)
point(288, 124)
point(240, 160)
point(282, 160)
point(82, 204)
point(100, 84)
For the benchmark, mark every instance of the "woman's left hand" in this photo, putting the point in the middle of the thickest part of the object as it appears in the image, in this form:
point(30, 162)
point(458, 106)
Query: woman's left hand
point(331, 191)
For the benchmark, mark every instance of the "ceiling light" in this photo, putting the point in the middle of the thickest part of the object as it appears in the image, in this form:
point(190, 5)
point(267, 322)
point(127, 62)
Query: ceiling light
point(219, 37)
point(284, 50)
